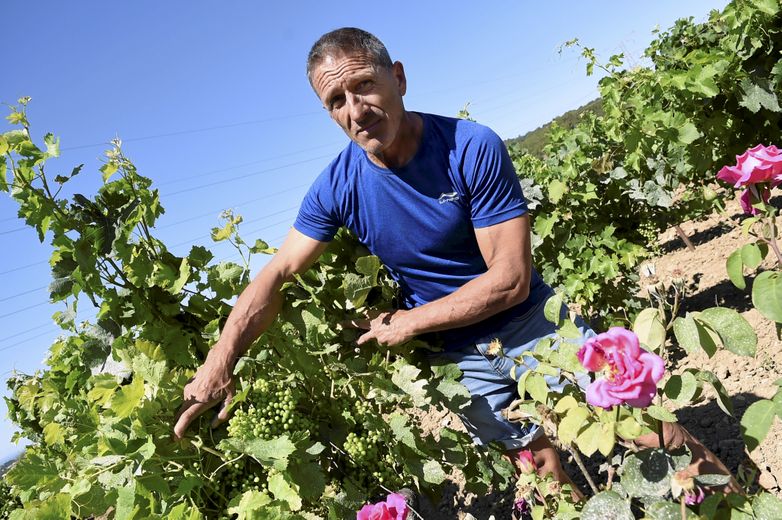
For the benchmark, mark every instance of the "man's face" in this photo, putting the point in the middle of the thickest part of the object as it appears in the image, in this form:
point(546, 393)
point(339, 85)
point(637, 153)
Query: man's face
point(363, 99)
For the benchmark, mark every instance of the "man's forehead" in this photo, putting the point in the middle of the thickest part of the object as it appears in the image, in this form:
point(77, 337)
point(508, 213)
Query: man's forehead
point(337, 56)
point(333, 67)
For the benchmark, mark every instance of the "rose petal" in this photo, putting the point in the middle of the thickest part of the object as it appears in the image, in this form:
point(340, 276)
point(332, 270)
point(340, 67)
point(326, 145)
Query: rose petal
point(591, 355)
point(598, 394)
point(730, 174)
point(365, 512)
point(397, 506)
point(746, 203)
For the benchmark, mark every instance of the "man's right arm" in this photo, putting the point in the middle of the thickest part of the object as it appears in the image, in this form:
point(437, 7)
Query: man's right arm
point(254, 311)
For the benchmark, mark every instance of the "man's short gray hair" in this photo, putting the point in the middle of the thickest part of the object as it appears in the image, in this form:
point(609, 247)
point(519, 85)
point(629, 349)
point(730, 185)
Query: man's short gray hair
point(348, 40)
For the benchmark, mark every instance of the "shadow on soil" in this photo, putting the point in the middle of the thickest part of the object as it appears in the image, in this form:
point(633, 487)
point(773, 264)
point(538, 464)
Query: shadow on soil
point(701, 237)
point(724, 294)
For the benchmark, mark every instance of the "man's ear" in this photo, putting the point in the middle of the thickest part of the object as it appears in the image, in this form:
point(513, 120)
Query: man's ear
point(398, 70)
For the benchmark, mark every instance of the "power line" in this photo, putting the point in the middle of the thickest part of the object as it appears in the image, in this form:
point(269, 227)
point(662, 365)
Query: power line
point(235, 167)
point(48, 332)
point(17, 311)
point(22, 293)
point(6, 338)
point(192, 240)
point(22, 333)
point(9, 347)
point(211, 213)
point(23, 267)
point(251, 174)
point(193, 130)
point(268, 195)
point(13, 230)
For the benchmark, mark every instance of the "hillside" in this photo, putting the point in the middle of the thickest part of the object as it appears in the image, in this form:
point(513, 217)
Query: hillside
point(534, 141)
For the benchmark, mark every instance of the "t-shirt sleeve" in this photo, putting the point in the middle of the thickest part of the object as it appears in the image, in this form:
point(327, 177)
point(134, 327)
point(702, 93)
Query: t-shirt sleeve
point(317, 217)
point(495, 192)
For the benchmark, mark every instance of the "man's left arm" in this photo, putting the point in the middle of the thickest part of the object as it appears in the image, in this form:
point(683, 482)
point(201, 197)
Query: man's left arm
point(506, 250)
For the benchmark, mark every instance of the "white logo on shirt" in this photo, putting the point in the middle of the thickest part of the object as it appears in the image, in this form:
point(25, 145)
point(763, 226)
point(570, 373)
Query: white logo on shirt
point(448, 197)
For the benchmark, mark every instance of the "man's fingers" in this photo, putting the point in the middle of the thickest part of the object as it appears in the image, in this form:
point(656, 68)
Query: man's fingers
point(365, 338)
point(222, 414)
point(371, 314)
point(357, 324)
point(187, 414)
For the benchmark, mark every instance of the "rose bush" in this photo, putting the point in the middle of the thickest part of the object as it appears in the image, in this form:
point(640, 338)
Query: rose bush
point(393, 508)
point(630, 373)
point(756, 170)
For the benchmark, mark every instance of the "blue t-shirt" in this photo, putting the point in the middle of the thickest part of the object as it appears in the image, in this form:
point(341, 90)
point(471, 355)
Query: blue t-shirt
point(419, 219)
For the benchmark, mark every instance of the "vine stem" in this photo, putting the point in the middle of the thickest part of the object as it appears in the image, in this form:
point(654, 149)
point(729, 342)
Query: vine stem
point(684, 237)
point(582, 467)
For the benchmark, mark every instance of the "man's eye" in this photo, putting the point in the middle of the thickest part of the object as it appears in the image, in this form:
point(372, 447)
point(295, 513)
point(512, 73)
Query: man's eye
point(336, 102)
point(365, 85)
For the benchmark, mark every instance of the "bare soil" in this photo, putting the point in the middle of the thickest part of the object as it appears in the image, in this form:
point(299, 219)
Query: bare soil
point(745, 379)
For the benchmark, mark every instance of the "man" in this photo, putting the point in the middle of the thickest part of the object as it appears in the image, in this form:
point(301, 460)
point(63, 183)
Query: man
point(438, 201)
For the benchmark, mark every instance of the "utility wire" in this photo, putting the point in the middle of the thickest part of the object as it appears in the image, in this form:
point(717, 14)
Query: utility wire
point(22, 293)
point(13, 231)
point(268, 195)
point(291, 116)
point(236, 167)
point(19, 343)
point(213, 212)
point(13, 270)
point(22, 333)
point(194, 130)
point(251, 174)
point(48, 332)
point(17, 311)
point(193, 240)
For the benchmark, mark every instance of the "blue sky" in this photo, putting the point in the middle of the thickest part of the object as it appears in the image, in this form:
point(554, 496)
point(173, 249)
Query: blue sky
point(212, 103)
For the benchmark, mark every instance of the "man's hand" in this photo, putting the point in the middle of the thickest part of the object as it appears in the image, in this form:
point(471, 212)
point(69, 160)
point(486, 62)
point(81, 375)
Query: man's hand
point(387, 328)
point(212, 384)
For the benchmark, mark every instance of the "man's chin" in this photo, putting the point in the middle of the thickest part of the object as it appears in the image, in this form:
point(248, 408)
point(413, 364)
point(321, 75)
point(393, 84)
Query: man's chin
point(372, 147)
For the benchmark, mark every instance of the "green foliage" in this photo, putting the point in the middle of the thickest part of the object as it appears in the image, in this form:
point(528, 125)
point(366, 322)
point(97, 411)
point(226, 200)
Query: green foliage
point(607, 505)
point(604, 188)
point(318, 428)
point(648, 473)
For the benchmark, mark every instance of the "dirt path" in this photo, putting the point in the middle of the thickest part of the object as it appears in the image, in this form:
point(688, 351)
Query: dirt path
point(745, 379)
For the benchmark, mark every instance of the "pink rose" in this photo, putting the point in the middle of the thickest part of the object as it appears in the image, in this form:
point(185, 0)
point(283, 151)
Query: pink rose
point(751, 196)
point(527, 462)
point(761, 164)
point(394, 508)
point(377, 511)
point(631, 373)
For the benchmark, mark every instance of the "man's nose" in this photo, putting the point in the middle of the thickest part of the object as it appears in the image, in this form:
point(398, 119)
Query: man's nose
point(357, 107)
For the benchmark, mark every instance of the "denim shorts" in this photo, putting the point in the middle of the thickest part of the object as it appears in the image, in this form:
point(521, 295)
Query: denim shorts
point(488, 377)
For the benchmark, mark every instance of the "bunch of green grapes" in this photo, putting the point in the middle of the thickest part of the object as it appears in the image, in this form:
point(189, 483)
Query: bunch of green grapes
point(371, 462)
point(274, 411)
point(241, 477)
point(649, 231)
